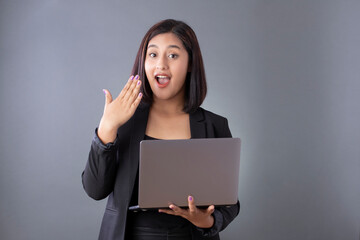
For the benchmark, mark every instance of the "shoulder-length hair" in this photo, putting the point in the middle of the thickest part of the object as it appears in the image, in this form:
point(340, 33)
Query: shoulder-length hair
point(195, 83)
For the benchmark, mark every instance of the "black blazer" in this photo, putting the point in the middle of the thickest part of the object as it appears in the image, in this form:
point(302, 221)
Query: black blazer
point(111, 171)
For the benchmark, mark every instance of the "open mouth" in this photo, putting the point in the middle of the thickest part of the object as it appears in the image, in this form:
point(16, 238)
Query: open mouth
point(162, 80)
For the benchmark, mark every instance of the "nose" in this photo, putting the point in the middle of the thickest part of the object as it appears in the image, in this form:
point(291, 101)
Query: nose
point(161, 63)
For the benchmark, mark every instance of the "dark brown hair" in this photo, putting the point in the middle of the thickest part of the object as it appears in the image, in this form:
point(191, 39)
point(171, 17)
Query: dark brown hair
point(195, 83)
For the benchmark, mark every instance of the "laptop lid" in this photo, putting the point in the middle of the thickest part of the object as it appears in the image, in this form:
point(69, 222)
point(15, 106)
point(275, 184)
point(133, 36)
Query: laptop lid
point(171, 170)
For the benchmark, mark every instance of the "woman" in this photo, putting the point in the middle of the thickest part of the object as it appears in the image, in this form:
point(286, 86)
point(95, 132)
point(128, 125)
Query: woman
point(161, 100)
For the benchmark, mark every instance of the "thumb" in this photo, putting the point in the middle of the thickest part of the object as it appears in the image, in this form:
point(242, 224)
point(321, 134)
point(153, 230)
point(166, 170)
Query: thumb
point(108, 97)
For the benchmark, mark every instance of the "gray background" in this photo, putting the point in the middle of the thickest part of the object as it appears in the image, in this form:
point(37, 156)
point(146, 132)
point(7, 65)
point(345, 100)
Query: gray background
point(285, 73)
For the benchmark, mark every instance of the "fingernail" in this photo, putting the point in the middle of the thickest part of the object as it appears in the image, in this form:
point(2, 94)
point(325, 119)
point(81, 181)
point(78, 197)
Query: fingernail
point(132, 77)
point(138, 83)
point(171, 206)
point(190, 198)
point(104, 91)
point(137, 77)
point(140, 94)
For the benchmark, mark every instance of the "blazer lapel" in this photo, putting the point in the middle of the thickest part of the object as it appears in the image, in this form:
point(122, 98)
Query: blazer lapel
point(197, 124)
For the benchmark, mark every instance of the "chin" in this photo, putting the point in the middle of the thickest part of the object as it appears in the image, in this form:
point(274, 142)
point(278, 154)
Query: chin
point(162, 96)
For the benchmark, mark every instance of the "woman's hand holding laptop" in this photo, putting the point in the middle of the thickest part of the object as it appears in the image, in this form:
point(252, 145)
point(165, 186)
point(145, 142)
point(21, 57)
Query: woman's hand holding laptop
point(201, 218)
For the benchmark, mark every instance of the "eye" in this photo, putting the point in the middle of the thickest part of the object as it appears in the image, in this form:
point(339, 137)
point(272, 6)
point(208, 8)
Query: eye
point(152, 55)
point(173, 56)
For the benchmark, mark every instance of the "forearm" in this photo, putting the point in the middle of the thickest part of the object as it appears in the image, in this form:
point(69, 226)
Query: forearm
point(100, 171)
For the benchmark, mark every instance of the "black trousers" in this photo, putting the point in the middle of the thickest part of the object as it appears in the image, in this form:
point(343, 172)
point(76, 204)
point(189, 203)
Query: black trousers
point(143, 233)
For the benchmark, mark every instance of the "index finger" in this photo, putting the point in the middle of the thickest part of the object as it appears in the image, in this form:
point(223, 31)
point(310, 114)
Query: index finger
point(126, 87)
point(210, 209)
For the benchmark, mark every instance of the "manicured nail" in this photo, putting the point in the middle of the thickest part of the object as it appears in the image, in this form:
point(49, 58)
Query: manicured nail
point(171, 206)
point(140, 94)
point(132, 77)
point(190, 198)
point(137, 77)
point(104, 91)
point(138, 83)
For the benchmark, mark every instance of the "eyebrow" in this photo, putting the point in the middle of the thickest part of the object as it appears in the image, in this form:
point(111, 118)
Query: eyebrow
point(170, 46)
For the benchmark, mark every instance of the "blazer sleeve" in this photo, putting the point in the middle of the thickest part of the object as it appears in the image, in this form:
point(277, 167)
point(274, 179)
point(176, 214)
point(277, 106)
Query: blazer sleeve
point(222, 215)
point(99, 175)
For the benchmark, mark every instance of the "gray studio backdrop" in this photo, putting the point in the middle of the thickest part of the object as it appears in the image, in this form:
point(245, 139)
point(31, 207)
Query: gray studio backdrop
point(284, 73)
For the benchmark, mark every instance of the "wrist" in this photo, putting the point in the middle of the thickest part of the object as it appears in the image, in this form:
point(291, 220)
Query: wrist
point(208, 222)
point(106, 133)
point(211, 221)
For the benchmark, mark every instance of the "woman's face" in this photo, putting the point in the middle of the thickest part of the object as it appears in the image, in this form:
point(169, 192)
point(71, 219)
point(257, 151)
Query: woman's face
point(166, 66)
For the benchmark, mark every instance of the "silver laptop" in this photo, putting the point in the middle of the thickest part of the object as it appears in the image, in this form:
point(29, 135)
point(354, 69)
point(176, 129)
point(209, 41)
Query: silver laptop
point(171, 170)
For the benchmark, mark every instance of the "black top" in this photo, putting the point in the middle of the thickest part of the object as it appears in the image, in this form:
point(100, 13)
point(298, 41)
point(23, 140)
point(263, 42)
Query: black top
point(152, 218)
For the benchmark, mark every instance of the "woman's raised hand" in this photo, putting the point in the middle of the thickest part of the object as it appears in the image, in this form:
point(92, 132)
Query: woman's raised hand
point(119, 111)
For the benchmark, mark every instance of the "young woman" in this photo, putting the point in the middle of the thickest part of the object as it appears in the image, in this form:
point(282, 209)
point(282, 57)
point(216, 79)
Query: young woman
point(161, 100)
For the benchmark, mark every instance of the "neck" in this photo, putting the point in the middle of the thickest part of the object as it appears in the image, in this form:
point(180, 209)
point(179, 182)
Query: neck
point(168, 107)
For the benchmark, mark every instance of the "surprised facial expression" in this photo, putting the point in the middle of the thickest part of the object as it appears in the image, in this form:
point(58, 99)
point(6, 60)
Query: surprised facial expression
point(166, 66)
